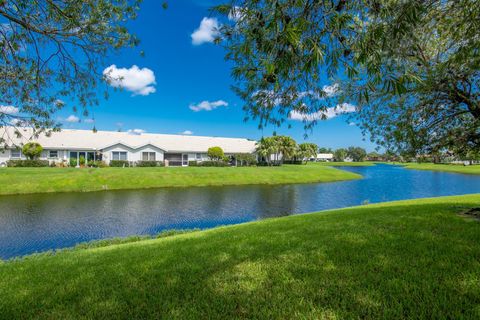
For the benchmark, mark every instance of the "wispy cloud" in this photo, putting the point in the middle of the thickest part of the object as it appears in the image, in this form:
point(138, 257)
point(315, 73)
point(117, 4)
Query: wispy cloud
point(89, 121)
point(136, 80)
point(72, 119)
point(329, 113)
point(11, 110)
point(136, 131)
point(187, 132)
point(206, 32)
point(208, 106)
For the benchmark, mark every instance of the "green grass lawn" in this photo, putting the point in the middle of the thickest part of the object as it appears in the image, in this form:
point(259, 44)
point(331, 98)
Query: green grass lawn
point(38, 180)
point(410, 259)
point(473, 169)
point(343, 164)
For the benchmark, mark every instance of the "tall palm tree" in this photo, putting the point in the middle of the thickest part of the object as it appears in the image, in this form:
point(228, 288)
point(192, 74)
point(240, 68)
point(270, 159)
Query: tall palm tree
point(266, 147)
point(307, 150)
point(286, 146)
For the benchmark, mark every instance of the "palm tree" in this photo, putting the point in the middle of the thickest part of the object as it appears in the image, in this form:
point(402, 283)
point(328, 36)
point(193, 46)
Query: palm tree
point(286, 146)
point(266, 147)
point(307, 150)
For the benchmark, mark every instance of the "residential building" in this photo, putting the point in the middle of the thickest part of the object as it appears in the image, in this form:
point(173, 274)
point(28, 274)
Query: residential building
point(176, 150)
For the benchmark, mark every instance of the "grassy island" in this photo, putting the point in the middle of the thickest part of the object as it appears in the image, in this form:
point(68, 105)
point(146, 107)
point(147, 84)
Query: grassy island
point(41, 180)
point(408, 259)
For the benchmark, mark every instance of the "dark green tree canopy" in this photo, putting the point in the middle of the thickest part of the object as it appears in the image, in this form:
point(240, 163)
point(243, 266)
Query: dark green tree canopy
point(52, 51)
point(410, 67)
point(357, 154)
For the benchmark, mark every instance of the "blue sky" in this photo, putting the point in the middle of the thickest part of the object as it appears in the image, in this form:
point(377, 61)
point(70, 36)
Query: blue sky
point(186, 74)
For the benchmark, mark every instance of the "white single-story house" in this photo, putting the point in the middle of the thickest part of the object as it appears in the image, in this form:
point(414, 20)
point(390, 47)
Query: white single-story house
point(61, 146)
point(324, 157)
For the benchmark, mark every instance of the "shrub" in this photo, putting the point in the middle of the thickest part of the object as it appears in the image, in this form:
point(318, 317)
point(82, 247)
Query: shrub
point(82, 160)
point(268, 164)
point(193, 163)
point(32, 150)
point(73, 162)
point(213, 164)
point(245, 159)
point(101, 164)
point(119, 163)
point(215, 153)
point(53, 164)
point(96, 164)
point(27, 163)
point(149, 164)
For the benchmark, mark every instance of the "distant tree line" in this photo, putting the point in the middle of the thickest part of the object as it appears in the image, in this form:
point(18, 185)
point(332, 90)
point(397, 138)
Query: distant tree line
point(276, 150)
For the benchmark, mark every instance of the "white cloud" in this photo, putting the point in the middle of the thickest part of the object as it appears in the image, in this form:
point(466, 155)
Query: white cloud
point(11, 110)
point(187, 132)
point(89, 121)
point(72, 119)
point(136, 131)
point(321, 115)
point(208, 106)
point(15, 122)
point(139, 81)
point(206, 32)
point(332, 90)
point(352, 124)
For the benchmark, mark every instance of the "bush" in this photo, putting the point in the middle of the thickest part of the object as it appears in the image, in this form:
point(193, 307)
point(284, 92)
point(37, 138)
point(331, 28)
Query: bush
point(32, 150)
point(96, 164)
point(215, 153)
point(82, 160)
point(27, 163)
point(101, 164)
point(193, 163)
point(245, 159)
point(268, 164)
point(213, 164)
point(73, 162)
point(293, 162)
point(149, 164)
point(119, 163)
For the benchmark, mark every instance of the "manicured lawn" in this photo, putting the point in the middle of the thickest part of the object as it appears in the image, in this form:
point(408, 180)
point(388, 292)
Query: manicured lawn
point(473, 169)
point(410, 259)
point(344, 164)
point(36, 180)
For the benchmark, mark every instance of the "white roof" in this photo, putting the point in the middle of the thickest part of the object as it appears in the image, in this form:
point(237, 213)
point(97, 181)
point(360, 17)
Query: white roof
point(324, 155)
point(88, 140)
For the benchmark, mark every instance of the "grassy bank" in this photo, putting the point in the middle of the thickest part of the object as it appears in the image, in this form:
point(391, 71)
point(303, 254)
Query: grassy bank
point(344, 164)
point(473, 169)
point(409, 259)
point(39, 180)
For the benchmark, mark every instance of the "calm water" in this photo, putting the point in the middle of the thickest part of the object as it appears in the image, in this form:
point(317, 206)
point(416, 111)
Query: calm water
point(31, 223)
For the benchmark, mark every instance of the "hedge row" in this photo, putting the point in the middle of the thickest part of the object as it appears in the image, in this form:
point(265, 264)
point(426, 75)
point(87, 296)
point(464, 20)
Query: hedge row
point(27, 163)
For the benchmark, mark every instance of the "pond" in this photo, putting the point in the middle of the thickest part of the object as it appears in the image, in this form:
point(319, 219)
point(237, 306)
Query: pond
point(34, 223)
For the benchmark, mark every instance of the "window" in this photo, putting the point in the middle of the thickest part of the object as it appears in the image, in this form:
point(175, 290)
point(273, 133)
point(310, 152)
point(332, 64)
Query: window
point(16, 153)
point(119, 155)
point(53, 154)
point(198, 156)
point(148, 156)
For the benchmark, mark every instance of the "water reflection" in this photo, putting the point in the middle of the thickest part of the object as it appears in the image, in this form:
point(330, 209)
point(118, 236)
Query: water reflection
point(32, 223)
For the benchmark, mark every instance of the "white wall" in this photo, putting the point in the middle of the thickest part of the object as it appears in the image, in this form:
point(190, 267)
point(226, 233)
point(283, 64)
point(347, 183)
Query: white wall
point(4, 157)
point(132, 155)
